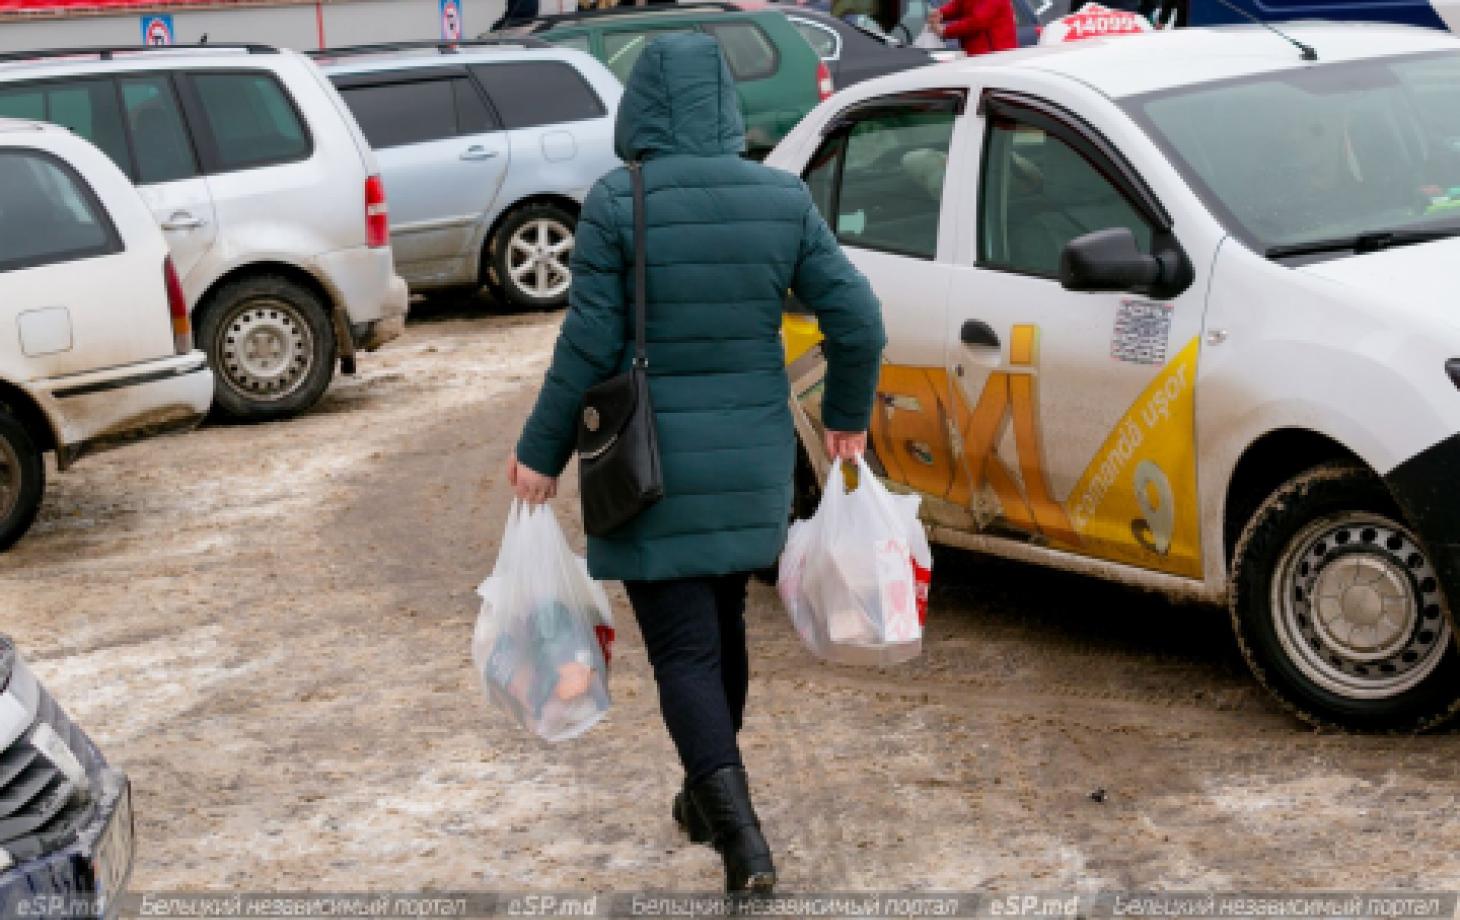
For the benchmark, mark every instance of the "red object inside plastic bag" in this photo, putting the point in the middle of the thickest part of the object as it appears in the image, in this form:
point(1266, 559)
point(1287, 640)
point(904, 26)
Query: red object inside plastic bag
point(605, 641)
point(923, 578)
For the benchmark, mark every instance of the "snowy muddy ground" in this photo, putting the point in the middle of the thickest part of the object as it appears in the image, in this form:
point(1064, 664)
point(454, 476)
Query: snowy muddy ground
point(268, 627)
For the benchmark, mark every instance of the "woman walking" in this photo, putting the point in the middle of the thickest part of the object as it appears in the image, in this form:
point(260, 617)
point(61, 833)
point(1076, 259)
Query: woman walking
point(726, 238)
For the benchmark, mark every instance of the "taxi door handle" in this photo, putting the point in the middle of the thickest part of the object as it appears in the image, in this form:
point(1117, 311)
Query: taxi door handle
point(978, 332)
point(477, 152)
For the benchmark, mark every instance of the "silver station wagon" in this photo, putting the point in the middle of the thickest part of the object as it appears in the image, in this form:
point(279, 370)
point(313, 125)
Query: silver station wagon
point(487, 149)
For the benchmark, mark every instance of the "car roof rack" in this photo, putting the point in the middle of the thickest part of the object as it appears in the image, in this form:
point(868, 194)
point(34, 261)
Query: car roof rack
point(654, 6)
point(108, 52)
point(442, 47)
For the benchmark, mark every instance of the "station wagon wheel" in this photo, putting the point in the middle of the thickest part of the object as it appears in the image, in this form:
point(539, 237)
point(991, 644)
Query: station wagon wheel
point(271, 346)
point(1339, 610)
point(530, 256)
point(22, 480)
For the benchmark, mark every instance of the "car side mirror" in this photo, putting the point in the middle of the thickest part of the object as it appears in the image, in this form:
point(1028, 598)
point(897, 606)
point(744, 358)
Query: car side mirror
point(1110, 260)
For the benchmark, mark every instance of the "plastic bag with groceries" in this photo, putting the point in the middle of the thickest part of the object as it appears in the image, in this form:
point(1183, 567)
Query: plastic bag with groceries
point(855, 577)
point(544, 637)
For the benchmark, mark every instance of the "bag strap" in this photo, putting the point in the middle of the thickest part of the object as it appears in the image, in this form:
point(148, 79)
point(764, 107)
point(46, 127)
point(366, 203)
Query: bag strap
point(636, 174)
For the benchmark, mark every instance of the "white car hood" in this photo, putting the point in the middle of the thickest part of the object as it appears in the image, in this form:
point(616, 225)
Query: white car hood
point(1423, 278)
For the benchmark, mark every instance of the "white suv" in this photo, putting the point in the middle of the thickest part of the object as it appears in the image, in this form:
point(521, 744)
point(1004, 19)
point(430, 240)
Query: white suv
point(268, 193)
point(95, 347)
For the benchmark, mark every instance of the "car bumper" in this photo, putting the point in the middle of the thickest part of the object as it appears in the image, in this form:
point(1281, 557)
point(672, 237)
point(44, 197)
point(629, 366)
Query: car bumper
point(86, 877)
point(365, 283)
point(99, 410)
point(370, 336)
point(1424, 487)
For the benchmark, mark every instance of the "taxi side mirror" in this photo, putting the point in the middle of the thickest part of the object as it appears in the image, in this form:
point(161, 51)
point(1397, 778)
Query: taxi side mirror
point(1110, 260)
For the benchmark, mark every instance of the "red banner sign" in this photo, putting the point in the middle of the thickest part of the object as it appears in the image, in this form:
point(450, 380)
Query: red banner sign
point(47, 6)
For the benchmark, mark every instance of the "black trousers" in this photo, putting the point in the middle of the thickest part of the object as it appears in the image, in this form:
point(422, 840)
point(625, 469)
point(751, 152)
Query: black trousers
point(694, 629)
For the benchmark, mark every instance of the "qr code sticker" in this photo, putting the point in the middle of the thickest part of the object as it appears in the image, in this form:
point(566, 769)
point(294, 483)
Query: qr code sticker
point(1141, 331)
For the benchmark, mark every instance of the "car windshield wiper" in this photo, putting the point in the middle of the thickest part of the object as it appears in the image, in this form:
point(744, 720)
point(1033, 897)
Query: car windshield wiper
point(1371, 241)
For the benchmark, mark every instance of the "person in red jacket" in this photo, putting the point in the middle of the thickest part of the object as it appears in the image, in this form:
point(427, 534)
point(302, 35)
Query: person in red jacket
point(980, 26)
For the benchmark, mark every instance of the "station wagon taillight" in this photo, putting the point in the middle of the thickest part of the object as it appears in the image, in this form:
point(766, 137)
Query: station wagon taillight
point(177, 309)
point(377, 214)
point(824, 86)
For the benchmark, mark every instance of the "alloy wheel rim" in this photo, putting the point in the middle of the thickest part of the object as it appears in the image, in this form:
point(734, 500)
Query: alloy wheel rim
point(1358, 606)
point(10, 475)
point(265, 349)
point(537, 257)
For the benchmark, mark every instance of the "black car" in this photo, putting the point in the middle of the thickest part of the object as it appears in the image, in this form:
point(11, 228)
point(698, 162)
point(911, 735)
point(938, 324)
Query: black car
point(65, 816)
point(852, 53)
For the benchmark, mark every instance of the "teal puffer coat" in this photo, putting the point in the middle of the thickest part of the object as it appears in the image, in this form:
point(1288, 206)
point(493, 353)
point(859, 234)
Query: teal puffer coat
point(726, 239)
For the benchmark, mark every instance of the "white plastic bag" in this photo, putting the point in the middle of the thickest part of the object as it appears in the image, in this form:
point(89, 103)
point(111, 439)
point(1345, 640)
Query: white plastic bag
point(928, 40)
point(545, 633)
point(855, 577)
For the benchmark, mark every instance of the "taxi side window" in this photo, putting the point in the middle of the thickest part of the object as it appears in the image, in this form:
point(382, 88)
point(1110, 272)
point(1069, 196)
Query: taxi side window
point(1037, 194)
point(879, 181)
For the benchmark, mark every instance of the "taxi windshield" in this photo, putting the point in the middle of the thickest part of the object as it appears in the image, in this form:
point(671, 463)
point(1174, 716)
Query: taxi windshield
point(1302, 161)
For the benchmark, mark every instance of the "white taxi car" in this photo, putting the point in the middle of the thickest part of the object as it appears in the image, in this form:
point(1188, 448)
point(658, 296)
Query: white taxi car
point(1175, 309)
point(95, 343)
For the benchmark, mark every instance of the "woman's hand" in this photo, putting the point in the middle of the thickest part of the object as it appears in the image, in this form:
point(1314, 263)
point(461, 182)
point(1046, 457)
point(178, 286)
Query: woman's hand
point(845, 445)
point(528, 484)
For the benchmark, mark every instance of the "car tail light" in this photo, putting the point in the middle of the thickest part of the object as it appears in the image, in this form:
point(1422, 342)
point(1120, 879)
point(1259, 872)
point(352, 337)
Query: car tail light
point(824, 87)
point(377, 214)
point(177, 309)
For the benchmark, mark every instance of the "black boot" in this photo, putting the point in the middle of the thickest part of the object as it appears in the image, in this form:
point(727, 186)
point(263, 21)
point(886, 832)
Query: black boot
point(689, 818)
point(723, 801)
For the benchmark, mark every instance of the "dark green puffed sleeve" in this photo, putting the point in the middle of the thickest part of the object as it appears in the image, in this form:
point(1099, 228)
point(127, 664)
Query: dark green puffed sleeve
point(850, 317)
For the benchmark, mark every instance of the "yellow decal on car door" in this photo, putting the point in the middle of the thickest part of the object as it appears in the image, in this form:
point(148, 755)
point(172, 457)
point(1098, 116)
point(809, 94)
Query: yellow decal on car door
point(1137, 502)
point(1011, 396)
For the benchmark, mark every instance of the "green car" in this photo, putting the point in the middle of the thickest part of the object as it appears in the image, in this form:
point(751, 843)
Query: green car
point(778, 76)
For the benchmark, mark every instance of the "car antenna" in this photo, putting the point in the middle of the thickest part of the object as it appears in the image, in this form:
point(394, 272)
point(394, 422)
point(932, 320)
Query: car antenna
point(1307, 52)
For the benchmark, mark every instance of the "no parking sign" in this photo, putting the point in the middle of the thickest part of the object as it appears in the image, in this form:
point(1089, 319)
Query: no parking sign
point(451, 27)
point(157, 30)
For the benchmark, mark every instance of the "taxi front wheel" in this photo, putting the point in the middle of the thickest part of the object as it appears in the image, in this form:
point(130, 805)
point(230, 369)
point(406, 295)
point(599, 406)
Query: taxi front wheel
point(1338, 609)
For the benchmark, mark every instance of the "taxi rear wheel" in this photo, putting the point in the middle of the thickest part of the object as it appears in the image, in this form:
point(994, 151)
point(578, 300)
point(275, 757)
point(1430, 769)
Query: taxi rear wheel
point(22, 480)
point(1338, 609)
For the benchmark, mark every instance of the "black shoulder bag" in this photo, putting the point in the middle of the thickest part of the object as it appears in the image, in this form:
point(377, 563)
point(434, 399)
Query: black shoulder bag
point(618, 447)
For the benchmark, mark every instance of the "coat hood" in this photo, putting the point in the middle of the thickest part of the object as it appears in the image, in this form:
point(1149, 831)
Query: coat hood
point(680, 99)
